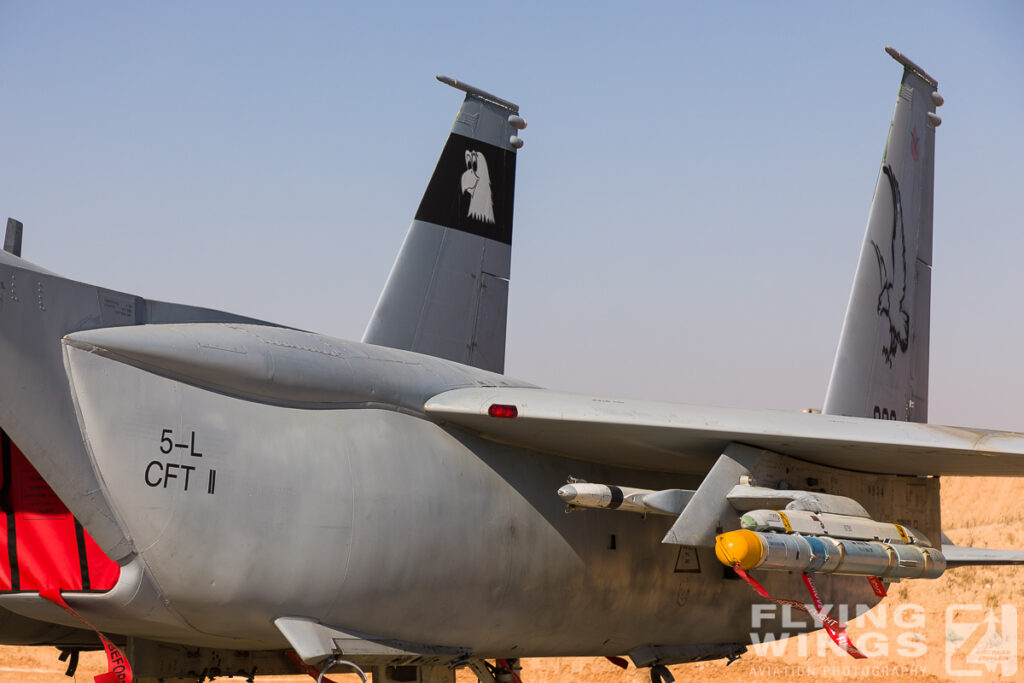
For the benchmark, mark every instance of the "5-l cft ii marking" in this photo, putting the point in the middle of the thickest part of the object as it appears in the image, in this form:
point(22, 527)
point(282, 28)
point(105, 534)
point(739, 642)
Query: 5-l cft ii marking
point(160, 474)
point(167, 443)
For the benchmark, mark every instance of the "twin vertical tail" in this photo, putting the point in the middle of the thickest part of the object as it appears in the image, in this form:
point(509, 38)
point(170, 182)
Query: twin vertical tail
point(447, 294)
point(881, 365)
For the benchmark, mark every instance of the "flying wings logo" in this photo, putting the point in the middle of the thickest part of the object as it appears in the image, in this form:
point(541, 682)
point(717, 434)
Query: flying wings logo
point(476, 181)
point(981, 645)
point(892, 276)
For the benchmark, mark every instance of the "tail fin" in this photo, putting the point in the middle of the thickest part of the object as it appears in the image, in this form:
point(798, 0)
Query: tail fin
point(447, 294)
point(881, 365)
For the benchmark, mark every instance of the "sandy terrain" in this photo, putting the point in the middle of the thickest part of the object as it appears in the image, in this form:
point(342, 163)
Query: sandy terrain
point(905, 639)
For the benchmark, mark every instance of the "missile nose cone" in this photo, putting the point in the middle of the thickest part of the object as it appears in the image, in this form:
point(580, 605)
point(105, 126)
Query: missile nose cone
point(567, 493)
point(743, 547)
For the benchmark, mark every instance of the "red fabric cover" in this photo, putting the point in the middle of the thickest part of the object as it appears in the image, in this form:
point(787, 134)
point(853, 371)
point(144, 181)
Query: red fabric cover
point(50, 547)
point(5, 561)
point(103, 571)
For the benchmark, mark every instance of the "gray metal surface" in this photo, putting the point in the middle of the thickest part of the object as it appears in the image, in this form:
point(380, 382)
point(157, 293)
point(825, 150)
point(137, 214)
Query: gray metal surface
point(447, 294)
point(744, 497)
point(315, 642)
point(708, 512)
point(669, 501)
point(881, 364)
point(37, 309)
point(681, 654)
point(328, 485)
point(964, 556)
point(19, 630)
point(7, 258)
point(281, 366)
point(443, 284)
point(675, 437)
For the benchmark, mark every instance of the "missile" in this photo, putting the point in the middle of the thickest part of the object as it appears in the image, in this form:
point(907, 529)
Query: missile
point(828, 524)
point(608, 497)
point(744, 497)
point(825, 555)
point(604, 496)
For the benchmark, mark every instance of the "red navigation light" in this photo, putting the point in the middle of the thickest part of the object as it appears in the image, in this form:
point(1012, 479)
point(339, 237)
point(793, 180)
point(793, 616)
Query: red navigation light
point(500, 410)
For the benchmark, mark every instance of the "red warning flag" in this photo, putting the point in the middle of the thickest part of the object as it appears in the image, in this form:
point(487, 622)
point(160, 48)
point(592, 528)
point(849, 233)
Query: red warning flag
point(118, 669)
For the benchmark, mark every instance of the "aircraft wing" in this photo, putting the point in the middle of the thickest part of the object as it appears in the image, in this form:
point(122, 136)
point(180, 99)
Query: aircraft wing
point(672, 437)
point(964, 556)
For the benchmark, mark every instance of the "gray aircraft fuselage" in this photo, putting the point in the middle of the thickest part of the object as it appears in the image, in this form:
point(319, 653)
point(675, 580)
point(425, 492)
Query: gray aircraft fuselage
point(333, 496)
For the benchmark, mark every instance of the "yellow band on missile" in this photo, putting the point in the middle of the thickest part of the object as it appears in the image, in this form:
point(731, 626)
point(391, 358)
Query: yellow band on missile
point(785, 521)
point(742, 547)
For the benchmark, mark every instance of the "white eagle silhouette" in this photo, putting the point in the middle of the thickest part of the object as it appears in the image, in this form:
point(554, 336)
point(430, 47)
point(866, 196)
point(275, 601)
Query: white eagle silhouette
point(477, 182)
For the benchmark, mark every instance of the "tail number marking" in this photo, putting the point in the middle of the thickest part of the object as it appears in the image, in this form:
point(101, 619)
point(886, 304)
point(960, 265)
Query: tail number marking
point(884, 414)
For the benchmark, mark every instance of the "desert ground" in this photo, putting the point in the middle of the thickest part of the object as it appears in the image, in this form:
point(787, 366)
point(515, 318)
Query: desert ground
point(906, 638)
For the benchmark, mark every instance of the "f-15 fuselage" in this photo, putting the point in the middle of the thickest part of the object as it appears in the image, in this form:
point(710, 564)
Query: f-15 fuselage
point(261, 472)
point(396, 500)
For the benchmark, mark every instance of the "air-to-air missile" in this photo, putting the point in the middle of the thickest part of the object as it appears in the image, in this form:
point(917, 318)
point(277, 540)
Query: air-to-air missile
point(581, 494)
point(829, 544)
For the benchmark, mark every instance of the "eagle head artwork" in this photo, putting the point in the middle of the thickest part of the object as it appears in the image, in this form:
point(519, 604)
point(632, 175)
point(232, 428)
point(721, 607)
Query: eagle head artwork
point(477, 182)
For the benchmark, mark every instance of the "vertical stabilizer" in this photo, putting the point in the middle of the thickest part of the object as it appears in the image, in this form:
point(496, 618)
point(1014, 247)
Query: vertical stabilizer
point(447, 295)
point(881, 365)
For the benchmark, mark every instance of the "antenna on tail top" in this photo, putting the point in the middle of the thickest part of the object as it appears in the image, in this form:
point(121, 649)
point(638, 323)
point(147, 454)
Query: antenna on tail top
point(12, 238)
point(482, 94)
point(905, 61)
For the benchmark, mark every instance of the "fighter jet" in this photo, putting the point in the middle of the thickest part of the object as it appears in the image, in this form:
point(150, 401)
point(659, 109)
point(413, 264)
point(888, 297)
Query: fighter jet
point(219, 495)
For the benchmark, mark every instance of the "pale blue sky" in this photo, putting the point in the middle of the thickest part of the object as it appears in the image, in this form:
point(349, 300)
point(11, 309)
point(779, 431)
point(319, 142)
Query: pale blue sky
point(690, 201)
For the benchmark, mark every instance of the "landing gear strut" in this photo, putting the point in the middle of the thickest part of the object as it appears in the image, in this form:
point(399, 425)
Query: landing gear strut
point(502, 671)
